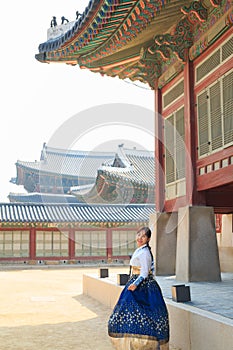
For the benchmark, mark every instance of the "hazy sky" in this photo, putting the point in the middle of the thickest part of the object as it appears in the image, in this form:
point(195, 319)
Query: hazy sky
point(37, 99)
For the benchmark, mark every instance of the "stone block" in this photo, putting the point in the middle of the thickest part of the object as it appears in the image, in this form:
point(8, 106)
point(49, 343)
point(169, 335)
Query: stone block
point(163, 242)
point(122, 279)
point(181, 293)
point(103, 273)
point(197, 258)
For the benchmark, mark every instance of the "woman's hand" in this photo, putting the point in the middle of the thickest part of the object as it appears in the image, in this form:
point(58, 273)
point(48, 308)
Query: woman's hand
point(132, 287)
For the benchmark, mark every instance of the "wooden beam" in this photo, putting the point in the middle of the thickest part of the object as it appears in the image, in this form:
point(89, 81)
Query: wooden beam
point(215, 178)
point(220, 200)
point(159, 152)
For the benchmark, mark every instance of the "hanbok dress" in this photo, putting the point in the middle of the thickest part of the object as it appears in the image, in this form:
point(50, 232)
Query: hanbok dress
point(140, 320)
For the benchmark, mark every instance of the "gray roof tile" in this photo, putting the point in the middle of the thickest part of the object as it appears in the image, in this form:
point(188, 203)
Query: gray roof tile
point(68, 162)
point(56, 213)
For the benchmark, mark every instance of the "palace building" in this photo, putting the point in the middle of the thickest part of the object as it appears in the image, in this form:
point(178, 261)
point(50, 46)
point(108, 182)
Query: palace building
point(92, 222)
point(128, 178)
point(64, 176)
point(69, 233)
point(183, 51)
point(59, 169)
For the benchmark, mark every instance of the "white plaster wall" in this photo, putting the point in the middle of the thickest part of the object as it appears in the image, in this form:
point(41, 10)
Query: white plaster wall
point(226, 244)
point(227, 234)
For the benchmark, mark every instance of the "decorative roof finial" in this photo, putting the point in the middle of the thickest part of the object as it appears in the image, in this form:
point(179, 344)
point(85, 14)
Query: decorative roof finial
point(63, 20)
point(78, 14)
point(53, 22)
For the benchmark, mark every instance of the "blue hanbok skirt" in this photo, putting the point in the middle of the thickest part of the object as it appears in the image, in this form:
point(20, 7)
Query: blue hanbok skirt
point(141, 314)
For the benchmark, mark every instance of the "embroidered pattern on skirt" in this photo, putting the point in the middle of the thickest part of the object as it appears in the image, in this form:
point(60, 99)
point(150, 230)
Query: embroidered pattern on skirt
point(140, 314)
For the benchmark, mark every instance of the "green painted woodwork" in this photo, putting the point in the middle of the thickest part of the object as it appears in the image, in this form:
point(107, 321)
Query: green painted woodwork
point(143, 37)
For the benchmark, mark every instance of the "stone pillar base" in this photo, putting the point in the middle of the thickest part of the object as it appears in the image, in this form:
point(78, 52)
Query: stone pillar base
point(197, 256)
point(163, 242)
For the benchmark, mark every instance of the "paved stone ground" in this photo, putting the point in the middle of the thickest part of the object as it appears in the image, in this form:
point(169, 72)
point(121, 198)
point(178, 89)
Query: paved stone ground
point(216, 297)
point(44, 308)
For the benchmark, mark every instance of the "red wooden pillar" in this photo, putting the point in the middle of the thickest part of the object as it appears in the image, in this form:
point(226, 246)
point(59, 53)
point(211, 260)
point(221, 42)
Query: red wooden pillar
point(32, 247)
point(109, 243)
point(159, 152)
point(71, 243)
point(192, 196)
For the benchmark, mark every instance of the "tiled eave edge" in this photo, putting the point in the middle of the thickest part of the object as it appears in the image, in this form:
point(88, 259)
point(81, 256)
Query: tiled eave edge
point(78, 29)
point(88, 34)
point(52, 215)
point(139, 15)
point(129, 178)
point(158, 55)
point(46, 172)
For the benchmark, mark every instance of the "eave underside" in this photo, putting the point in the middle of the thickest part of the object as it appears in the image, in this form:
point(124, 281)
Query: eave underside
point(136, 39)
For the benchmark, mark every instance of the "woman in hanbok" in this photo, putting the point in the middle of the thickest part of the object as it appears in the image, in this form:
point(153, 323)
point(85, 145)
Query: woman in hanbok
point(139, 320)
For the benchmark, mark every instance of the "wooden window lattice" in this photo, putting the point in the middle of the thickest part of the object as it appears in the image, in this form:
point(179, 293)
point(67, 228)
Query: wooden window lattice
point(123, 243)
point(51, 243)
point(90, 243)
point(227, 49)
point(174, 93)
point(223, 53)
point(215, 116)
point(208, 65)
point(14, 244)
point(228, 108)
point(175, 155)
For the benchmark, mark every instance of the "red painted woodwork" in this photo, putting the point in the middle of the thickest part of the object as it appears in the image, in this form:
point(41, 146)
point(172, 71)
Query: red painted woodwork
point(32, 243)
point(221, 199)
point(32, 258)
point(71, 243)
point(109, 244)
point(171, 83)
point(174, 204)
point(189, 123)
point(214, 46)
point(215, 178)
point(176, 105)
point(215, 157)
point(159, 152)
point(217, 184)
point(201, 189)
point(218, 223)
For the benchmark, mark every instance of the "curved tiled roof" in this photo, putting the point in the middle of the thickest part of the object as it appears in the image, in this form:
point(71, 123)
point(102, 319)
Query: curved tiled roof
point(139, 166)
point(131, 169)
point(73, 213)
point(111, 34)
point(68, 162)
point(39, 198)
point(108, 25)
point(137, 39)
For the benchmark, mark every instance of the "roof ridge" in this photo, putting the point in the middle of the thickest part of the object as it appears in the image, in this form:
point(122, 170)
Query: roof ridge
point(79, 204)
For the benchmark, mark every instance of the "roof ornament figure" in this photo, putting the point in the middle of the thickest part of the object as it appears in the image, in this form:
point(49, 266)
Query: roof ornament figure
point(53, 22)
point(64, 20)
point(78, 14)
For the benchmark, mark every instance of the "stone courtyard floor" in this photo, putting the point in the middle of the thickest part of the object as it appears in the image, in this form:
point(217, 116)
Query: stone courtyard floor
point(45, 309)
point(42, 307)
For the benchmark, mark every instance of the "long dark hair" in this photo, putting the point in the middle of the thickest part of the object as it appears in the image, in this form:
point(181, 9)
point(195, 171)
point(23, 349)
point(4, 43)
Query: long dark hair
point(147, 231)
